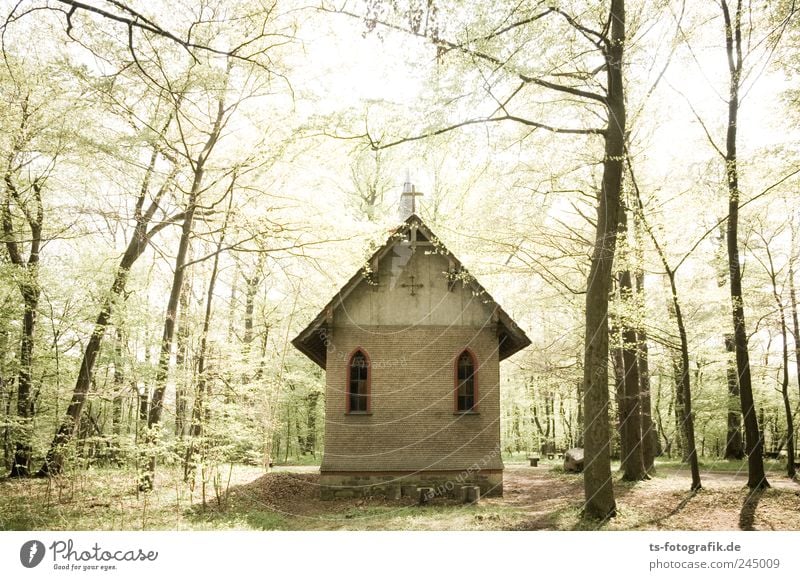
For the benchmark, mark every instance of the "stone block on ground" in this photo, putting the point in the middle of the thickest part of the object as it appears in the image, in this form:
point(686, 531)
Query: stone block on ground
point(425, 494)
point(573, 460)
point(470, 493)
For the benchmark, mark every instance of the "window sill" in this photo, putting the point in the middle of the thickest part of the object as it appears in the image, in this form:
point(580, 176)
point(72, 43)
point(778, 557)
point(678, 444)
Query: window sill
point(359, 413)
point(466, 412)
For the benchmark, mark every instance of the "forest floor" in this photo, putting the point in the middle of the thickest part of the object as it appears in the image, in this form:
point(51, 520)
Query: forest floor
point(542, 498)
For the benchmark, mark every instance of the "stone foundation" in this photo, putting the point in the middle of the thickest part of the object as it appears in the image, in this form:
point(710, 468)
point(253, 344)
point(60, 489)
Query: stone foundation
point(346, 484)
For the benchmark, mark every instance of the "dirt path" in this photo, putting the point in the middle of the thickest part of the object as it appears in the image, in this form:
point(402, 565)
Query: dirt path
point(551, 501)
point(534, 499)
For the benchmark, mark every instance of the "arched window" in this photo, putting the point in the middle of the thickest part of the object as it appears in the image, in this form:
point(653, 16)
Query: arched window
point(466, 383)
point(358, 383)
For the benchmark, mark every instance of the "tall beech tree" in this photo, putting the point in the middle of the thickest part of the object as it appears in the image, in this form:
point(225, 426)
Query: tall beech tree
point(22, 215)
point(754, 444)
point(793, 257)
point(773, 272)
point(649, 435)
point(201, 411)
point(683, 393)
point(197, 158)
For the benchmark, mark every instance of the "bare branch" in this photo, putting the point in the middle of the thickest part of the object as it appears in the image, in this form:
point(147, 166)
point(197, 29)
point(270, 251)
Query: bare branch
point(479, 121)
point(445, 46)
point(702, 123)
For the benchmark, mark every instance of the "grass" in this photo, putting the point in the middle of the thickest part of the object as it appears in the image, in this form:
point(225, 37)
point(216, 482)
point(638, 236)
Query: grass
point(535, 498)
point(300, 460)
point(772, 467)
point(107, 499)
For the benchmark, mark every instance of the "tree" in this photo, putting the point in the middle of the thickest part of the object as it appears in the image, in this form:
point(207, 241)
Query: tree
point(773, 272)
point(649, 436)
point(197, 161)
point(598, 488)
point(200, 411)
point(754, 443)
point(143, 233)
point(683, 396)
point(38, 134)
point(24, 199)
point(627, 364)
point(793, 300)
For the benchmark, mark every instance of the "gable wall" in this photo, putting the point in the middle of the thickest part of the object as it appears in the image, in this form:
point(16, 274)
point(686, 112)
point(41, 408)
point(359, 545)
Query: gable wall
point(390, 304)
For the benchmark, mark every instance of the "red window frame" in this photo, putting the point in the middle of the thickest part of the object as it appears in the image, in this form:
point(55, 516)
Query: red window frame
point(369, 381)
point(457, 385)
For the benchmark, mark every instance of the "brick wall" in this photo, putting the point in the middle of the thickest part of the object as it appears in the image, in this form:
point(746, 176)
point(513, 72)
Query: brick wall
point(412, 426)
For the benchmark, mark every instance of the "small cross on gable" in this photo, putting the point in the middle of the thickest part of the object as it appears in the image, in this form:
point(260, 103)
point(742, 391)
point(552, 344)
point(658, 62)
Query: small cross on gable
point(412, 285)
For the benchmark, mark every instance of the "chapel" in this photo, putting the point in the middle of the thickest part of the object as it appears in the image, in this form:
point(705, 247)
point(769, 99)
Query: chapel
point(411, 346)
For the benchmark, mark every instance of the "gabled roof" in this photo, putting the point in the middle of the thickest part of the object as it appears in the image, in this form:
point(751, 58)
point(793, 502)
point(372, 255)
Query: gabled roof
point(312, 340)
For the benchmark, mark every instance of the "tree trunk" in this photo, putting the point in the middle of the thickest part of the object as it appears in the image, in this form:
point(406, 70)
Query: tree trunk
point(579, 420)
point(618, 364)
point(734, 448)
point(30, 291)
point(649, 436)
point(659, 420)
point(598, 486)
point(311, 423)
point(119, 389)
point(787, 406)
point(182, 358)
point(202, 410)
point(25, 409)
point(252, 284)
point(232, 306)
point(795, 325)
point(6, 395)
point(753, 442)
point(681, 440)
point(632, 462)
point(684, 387)
point(119, 384)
